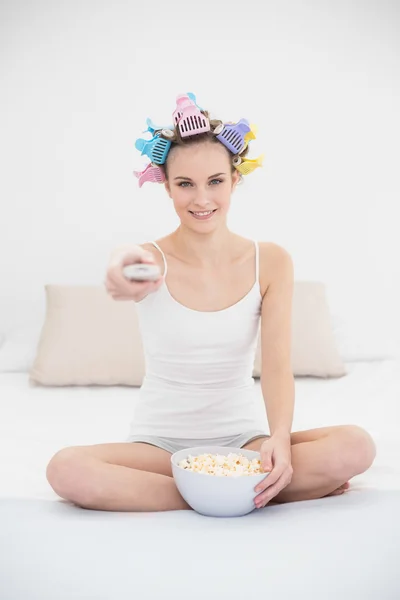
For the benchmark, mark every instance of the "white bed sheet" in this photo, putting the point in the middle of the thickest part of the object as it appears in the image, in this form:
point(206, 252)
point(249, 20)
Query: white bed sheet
point(343, 547)
point(37, 421)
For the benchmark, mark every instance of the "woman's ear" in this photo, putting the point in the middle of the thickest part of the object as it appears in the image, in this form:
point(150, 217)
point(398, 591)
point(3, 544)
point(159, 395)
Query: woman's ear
point(235, 179)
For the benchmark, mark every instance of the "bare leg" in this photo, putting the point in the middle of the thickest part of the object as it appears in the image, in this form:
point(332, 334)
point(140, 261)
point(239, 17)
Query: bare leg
point(79, 475)
point(324, 460)
point(326, 464)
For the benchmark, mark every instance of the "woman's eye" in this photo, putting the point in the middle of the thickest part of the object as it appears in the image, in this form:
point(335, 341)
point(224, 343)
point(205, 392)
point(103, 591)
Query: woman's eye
point(183, 183)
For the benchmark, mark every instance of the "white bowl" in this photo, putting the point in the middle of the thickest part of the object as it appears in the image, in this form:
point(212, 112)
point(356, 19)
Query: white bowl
point(213, 495)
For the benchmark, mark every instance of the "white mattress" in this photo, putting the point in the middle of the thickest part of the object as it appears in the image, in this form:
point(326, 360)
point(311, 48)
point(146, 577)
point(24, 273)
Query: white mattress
point(316, 549)
point(37, 421)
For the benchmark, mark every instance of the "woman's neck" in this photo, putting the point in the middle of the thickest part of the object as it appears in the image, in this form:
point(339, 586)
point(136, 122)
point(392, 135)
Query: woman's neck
point(203, 250)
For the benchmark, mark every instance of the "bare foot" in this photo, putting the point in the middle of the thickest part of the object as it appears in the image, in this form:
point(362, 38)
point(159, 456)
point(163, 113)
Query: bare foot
point(340, 490)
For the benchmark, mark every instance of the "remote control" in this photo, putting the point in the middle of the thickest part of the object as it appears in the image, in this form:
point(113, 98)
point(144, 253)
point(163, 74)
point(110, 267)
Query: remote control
point(142, 272)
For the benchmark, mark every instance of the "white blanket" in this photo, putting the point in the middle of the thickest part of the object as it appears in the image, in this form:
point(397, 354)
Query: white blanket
point(35, 422)
point(343, 547)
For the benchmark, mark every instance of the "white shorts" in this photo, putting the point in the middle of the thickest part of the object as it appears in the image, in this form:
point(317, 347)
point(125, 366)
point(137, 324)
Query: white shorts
point(174, 444)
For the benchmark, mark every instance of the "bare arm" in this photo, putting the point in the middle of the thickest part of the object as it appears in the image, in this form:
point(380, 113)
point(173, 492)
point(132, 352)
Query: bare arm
point(277, 381)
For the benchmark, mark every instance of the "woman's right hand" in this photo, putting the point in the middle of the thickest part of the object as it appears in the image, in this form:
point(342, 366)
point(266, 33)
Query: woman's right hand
point(121, 288)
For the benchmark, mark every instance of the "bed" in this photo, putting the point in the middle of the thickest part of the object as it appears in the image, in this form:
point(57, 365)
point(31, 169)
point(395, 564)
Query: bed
point(346, 546)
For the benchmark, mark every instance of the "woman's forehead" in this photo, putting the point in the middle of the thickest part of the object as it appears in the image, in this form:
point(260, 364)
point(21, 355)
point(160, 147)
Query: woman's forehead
point(199, 157)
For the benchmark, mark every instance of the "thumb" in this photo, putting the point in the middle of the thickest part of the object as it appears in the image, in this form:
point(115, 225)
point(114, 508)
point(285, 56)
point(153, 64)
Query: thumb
point(147, 257)
point(266, 461)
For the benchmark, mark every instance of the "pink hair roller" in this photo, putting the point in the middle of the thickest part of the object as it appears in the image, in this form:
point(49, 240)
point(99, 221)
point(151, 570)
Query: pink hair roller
point(152, 173)
point(188, 118)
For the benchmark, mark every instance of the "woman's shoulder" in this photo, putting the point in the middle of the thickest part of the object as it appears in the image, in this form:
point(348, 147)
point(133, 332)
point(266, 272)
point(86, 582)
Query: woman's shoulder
point(275, 263)
point(274, 251)
point(266, 247)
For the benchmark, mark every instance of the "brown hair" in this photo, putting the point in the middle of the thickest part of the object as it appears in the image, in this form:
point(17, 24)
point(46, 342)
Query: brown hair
point(201, 138)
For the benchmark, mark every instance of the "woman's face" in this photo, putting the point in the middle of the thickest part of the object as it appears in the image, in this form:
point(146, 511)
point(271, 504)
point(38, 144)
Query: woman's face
point(200, 180)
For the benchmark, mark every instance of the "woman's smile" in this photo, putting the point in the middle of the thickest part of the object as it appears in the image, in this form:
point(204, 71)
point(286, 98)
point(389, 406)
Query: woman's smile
point(203, 215)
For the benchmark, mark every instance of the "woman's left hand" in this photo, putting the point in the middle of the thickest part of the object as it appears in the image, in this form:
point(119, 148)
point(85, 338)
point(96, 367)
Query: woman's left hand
point(275, 459)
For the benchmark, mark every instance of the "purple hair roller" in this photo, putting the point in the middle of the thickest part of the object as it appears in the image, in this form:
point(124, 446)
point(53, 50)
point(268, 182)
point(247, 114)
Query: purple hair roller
point(232, 136)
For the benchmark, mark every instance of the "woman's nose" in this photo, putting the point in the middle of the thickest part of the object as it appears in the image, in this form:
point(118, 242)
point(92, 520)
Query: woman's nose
point(202, 201)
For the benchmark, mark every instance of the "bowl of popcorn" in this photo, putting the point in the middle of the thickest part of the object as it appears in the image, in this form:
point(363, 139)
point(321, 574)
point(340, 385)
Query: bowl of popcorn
point(218, 481)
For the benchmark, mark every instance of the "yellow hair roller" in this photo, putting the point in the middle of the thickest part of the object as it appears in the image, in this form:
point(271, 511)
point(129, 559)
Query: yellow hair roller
point(245, 166)
point(251, 135)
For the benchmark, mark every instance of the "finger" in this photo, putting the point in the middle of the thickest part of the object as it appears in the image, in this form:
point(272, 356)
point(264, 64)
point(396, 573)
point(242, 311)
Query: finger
point(263, 485)
point(132, 258)
point(272, 478)
point(284, 478)
point(148, 259)
point(267, 462)
point(265, 497)
point(117, 278)
point(158, 283)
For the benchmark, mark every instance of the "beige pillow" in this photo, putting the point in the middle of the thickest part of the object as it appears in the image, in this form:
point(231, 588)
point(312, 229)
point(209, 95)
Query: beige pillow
point(90, 339)
point(314, 349)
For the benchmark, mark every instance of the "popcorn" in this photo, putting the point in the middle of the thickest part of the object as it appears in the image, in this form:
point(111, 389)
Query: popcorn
point(231, 465)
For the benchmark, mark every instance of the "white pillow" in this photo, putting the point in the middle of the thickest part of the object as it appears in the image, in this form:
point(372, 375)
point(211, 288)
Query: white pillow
point(18, 348)
point(360, 338)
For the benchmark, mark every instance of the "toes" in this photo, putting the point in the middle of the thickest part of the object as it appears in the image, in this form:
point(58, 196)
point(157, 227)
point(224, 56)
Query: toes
point(340, 490)
point(344, 487)
point(337, 492)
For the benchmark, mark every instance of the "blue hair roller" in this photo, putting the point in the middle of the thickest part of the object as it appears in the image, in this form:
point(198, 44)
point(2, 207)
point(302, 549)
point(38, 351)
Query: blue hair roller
point(193, 99)
point(152, 128)
point(156, 149)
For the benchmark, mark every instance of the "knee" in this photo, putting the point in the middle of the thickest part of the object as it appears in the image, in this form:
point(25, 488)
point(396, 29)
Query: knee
point(67, 473)
point(356, 451)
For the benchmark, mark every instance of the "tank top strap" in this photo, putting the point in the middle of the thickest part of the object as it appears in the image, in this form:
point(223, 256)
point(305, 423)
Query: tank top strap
point(163, 255)
point(257, 261)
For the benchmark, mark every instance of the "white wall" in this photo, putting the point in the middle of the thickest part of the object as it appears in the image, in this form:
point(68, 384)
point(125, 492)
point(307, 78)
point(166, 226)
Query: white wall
point(320, 79)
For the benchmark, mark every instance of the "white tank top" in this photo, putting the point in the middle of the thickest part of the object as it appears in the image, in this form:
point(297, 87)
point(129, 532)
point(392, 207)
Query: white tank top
point(199, 366)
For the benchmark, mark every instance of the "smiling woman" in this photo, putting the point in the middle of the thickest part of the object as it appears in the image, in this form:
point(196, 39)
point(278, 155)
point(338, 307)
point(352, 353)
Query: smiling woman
point(197, 191)
point(199, 325)
point(201, 175)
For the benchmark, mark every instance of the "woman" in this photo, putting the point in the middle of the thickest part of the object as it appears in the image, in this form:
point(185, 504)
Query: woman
point(199, 327)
